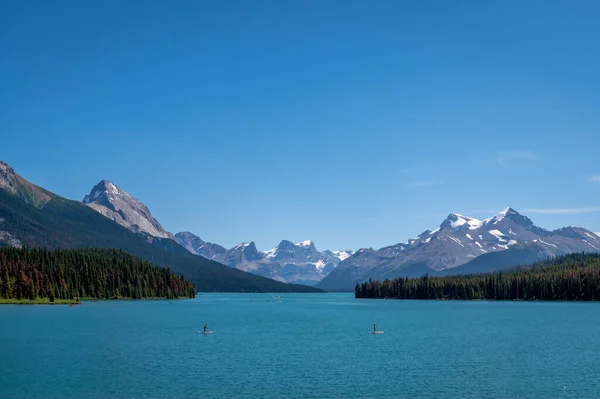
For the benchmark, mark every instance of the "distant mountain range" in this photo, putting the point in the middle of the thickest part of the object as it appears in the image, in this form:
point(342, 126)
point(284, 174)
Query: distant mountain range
point(462, 244)
point(298, 263)
point(35, 217)
point(110, 217)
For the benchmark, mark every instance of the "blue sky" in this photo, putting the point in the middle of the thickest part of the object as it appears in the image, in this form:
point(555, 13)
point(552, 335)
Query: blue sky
point(351, 123)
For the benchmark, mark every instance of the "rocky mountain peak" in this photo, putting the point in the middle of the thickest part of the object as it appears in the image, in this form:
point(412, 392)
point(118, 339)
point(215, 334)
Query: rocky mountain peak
point(8, 178)
point(509, 214)
point(19, 187)
point(118, 205)
point(286, 245)
point(189, 241)
point(186, 235)
point(198, 246)
point(248, 250)
point(458, 221)
point(105, 191)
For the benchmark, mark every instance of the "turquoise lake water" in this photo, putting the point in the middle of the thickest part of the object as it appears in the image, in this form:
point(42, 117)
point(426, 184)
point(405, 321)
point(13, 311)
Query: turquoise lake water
point(308, 346)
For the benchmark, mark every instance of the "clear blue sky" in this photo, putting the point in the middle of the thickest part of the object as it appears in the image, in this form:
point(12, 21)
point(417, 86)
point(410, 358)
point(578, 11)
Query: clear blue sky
point(351, 123)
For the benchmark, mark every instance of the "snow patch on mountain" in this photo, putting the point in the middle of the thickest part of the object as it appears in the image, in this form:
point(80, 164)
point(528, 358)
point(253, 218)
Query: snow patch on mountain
point(498, 234)
point(342, 255)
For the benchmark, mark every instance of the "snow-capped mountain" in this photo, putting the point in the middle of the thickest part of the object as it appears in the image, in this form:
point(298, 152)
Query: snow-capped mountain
point(120, 206)
point(458, 241)
point(298, 263)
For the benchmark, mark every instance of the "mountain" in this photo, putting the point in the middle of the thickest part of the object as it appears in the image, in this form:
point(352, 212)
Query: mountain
point(299, 263)
point(462, 244)
point(196, 246)
point(33, 216)
point(21, 188)
point(120, 206)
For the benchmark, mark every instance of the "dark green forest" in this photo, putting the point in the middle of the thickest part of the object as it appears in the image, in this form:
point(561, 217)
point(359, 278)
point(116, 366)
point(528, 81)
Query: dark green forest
point(574, 277)
point(85, 273)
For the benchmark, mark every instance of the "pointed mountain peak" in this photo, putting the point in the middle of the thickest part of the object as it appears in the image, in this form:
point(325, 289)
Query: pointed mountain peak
point(189, 241)
point(121, 207)
point(105, 188)
point(507, 212)
point(458, 221)
point(19, 187)
point(8, 177)
point(245, 246)
point(248, 249)
point(4, 167)
point(510, 214)
point(186, 235)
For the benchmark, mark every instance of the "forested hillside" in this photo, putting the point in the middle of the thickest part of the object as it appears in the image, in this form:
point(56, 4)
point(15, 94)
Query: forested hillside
point(85, 273)
point(574, 277)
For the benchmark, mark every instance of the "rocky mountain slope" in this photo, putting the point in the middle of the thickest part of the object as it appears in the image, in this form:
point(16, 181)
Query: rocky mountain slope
point(120, 206)
point(299, 263)
point(458, 241)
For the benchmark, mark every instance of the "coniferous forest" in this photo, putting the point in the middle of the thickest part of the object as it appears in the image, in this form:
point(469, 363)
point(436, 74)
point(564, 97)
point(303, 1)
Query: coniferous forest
point(574, 277)
point(85, 273)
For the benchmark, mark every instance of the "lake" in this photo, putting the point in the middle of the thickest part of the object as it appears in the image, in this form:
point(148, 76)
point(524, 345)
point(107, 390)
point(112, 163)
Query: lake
point(307, 346)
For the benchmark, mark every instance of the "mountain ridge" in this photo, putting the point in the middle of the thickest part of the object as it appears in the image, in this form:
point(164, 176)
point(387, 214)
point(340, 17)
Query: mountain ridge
point(458, 240)
point(287, 262)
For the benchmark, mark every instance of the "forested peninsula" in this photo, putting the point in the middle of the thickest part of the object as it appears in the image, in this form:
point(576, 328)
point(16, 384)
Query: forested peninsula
point(574, 277)
point(62, 276)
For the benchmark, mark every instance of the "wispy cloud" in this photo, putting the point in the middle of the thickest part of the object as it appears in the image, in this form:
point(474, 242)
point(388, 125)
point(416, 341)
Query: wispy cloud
point(594, 179)
point(563, 211)
point(507, 157)
point(425, 183)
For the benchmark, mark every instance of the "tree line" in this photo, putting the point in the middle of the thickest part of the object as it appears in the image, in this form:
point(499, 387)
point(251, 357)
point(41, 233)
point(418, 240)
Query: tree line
point(85, 273)
point(574, 277)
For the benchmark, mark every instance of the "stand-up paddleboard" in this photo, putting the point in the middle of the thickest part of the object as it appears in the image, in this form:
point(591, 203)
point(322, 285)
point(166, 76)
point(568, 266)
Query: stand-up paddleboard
point(376, 332)
point(204, 332)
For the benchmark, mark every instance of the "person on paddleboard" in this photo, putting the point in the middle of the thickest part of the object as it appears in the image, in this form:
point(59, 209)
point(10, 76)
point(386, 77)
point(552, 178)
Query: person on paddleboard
point(374, 327)
point(205, 327)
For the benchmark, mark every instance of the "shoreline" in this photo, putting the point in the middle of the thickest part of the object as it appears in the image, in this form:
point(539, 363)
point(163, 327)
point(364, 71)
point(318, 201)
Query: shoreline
point(46, 301)
point(38, 301)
